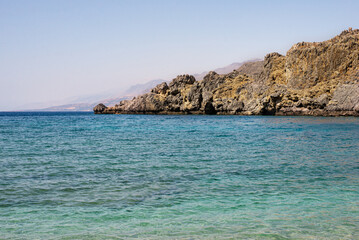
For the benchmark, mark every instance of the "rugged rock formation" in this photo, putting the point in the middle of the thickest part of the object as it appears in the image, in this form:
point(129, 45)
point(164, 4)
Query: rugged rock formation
point(319, 79)
point(99, 108)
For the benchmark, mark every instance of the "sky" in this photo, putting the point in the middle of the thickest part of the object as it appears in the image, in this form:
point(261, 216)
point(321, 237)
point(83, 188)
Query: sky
point(53, 51)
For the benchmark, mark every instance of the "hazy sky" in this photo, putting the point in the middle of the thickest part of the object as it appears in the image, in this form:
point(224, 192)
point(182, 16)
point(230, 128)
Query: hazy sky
point(54, 49)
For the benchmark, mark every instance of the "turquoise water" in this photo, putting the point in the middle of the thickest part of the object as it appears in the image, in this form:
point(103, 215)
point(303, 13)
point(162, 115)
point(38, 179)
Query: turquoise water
point(85, 176)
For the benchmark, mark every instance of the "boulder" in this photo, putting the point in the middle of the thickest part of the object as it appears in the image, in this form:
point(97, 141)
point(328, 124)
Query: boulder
point(99, 108)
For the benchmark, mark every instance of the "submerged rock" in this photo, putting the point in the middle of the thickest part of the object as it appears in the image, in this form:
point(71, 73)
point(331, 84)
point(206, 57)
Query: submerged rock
point(320, 79)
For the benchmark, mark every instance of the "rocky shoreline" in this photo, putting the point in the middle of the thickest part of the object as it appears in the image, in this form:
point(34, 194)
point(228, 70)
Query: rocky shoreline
point(312, 79)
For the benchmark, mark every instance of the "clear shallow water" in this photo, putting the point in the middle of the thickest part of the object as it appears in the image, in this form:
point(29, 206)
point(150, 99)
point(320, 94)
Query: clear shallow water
point(85, 176)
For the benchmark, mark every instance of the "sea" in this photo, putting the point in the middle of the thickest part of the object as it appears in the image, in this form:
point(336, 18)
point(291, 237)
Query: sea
point(87, 176)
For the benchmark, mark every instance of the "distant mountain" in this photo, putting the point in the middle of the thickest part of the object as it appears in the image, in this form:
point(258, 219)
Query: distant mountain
point(224, 70)
point(312, 79)
point(86, 103)
point(141, 88)
point(85, 107)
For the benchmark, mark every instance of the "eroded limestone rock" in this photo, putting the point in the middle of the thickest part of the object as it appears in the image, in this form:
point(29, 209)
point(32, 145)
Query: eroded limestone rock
point(320, 79)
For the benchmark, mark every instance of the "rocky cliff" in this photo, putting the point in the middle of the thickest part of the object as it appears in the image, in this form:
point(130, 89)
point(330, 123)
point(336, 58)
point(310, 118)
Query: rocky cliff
point(319, 79)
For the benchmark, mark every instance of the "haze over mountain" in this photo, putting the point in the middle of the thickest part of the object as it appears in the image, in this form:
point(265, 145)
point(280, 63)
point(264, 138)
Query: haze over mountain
point(86, 103)
point(54, 51)
point(224, 70)
point(313, 78)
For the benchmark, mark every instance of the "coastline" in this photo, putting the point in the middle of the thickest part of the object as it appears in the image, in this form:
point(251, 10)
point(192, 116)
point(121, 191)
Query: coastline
point(312, 79)
point(311, 113)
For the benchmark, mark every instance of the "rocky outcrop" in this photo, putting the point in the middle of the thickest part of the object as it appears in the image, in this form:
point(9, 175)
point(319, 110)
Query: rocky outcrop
point(100, 108)
point(320, 79)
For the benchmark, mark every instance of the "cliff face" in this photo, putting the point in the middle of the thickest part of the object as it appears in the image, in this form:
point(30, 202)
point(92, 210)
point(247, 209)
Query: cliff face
point(312, 79)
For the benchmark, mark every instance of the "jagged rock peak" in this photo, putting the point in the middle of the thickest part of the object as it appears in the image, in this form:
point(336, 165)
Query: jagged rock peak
point(272, 55)
point(350, 31)
point(181, 80)
point(210, 75)
point(343, 37)
point(320, 79)
point(160, 88)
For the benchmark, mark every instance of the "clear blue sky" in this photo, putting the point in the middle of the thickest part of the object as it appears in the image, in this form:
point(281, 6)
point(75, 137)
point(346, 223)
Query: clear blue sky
point(52, 50)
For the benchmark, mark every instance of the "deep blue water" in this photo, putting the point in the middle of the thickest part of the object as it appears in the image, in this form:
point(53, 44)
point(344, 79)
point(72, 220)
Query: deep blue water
point(86, 176)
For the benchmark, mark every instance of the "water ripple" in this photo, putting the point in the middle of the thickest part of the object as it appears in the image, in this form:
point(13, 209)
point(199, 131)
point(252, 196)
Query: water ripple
point(85, 176)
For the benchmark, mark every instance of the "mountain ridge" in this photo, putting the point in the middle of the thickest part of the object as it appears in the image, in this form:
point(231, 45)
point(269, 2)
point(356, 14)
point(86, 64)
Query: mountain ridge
point(313, 78)
point(130, 92)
